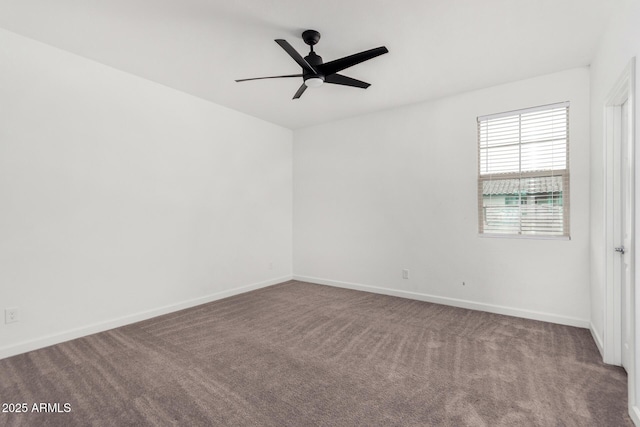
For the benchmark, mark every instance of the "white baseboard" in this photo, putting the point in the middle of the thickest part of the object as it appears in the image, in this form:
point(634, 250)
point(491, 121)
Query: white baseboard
point(45, 341)
point(597, 339)
point(634, 413)
point(472, 305)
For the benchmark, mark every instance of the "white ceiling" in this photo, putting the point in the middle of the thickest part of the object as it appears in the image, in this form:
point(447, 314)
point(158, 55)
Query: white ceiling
point(436, 47)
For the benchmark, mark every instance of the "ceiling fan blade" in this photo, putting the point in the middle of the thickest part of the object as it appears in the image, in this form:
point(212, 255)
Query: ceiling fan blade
point(272, 77)
point(332, 67)
point(295, 55)
point(339, 79)
point(300, 91)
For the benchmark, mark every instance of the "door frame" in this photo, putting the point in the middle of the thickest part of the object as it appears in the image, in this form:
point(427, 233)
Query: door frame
point(623, 90)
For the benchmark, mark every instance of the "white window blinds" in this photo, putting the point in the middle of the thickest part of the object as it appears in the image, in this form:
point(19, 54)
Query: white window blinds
point(523, 179)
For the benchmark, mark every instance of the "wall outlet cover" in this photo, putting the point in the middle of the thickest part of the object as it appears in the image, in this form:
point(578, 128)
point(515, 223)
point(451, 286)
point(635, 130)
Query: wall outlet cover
point(11, 315)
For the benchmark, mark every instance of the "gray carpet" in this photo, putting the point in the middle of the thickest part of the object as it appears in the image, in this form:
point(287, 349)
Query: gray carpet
point(298, 354)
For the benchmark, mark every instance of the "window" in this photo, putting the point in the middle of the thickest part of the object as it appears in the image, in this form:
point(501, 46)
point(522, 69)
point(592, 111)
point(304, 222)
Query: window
point(523, 172)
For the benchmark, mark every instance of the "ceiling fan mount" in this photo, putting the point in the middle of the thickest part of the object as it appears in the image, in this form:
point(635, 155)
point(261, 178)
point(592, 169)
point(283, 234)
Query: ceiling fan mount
point(315, 72)
point(311, 37)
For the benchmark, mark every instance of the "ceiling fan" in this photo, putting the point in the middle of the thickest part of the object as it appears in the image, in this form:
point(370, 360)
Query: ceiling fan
point(315, 73)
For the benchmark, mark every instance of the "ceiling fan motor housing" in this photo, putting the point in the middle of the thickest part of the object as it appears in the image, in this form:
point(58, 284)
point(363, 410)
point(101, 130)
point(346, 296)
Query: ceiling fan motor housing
point(314, 60)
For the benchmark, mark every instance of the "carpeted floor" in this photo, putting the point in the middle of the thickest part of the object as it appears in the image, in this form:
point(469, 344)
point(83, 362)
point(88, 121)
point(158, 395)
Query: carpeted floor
point(298, 354)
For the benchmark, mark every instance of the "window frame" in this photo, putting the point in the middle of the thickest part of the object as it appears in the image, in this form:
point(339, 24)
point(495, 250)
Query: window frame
point(564, 175)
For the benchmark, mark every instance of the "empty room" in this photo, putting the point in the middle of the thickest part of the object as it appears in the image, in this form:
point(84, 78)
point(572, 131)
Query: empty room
point(292, 213)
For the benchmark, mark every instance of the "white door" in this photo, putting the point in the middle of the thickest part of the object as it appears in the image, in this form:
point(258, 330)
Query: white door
point(621, 334)
point(625, 236)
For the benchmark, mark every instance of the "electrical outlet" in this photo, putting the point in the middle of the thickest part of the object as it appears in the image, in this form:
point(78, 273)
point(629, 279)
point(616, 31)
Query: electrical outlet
point(11, 315)
point(405, 274)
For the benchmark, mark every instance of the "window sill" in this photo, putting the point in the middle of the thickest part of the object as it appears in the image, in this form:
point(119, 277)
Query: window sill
point(520, 236)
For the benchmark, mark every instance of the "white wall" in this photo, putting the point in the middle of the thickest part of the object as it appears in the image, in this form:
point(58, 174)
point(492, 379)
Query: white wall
point(398, 190)
point(123, 199)
point(620, 43)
